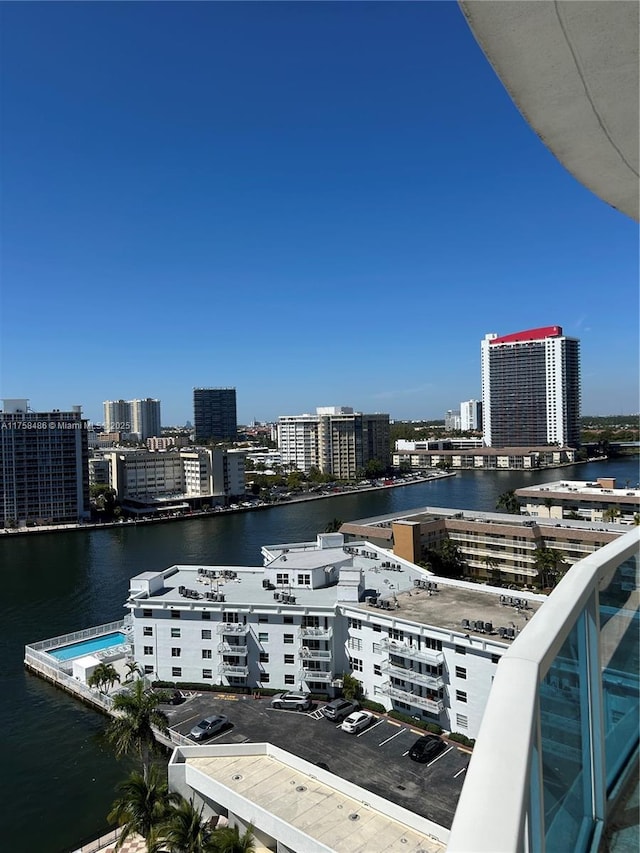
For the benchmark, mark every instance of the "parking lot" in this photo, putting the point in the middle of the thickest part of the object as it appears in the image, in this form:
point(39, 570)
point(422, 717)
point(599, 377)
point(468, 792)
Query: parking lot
point(376, 758)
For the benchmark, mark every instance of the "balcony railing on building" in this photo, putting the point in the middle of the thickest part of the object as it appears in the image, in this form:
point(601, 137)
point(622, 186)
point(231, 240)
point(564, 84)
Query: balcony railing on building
point(232, 649)
point(315, 675)
point(315, 654)
point(233, 669)
point(573, 676)
point(233, 628)
point(434, 706)
point(316, 633)
point(434, 681)
point(407, 650)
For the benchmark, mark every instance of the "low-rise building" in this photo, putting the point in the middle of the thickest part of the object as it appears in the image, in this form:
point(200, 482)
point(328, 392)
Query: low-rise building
point(578, 499)
point(485, 458)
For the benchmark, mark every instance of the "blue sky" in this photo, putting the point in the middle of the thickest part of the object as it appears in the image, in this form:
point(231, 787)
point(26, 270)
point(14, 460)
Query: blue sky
point(317, 203)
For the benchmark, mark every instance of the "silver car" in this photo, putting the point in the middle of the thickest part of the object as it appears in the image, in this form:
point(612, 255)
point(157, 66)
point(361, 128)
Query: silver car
point(292, 701)
point(209, 726)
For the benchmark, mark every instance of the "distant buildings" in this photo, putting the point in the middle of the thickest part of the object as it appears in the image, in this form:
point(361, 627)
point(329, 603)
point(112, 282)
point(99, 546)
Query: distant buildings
point(215, 415)
point(452, 422)
point(137, 419)
point(336, 440)
point(577, 499)
point(44, 472)
point(471, 416)
point(531, 388)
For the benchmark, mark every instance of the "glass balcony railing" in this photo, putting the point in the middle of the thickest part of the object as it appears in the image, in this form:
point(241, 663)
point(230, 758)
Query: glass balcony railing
point(560, 733)
point(407, 650)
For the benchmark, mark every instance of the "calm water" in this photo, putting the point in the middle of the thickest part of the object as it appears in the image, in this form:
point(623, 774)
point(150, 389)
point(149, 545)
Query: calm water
point(58, 776)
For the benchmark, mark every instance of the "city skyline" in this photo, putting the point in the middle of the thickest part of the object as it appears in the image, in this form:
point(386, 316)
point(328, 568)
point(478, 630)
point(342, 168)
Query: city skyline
point(258, 214)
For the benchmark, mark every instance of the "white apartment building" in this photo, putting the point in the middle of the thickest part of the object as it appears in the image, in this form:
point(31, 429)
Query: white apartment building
point(139, 419)
point(601, 501)
point(452, 422)
point(470, 415)
point(316, 610)
point(298, 441)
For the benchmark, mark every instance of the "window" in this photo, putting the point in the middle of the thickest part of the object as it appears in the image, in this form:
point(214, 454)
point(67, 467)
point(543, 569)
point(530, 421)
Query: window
point(356, 664)
point(148, 669)
point(287, 620)
point(206, 654)
point(355, 643)
point(355, 623)
point(205, 615)
point(462, 721)
point(377, 669)
point(148, 650)
point(264, 657)
point(263, 637)
point(147, 632)
point(461, 696)
point(175, 614)
point(461, 672)
point(430, 643)
point(207, 673)
point(288, 639)
point(289, 659)
point(282, 578)
point(205, 633)
point(231, 617)
point(289, 679)
point(264, 677)
point(147, 614)
point(377, 628)
point(304, 580)
point(495, 658)
point(175, 632)
point(263, 618)
point(460, 650)
point(394, 634)
point(175, 652)
point(176, 671)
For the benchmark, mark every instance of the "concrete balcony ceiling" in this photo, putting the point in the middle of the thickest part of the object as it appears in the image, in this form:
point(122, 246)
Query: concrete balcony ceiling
point(571, 68)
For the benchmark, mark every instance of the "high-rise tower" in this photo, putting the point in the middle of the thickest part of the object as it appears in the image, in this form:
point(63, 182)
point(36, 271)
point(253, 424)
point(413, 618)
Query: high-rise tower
point(214, 414)
point(531, 388)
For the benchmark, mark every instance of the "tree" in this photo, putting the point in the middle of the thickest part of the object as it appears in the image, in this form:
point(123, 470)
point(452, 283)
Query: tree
point(103, 677)
point(508, 502)
point(548, 502)
point(611, 513)
point(333, 526)
point(134, 671)
point(132, 730)
point(351, 687)
point(142, 806)
point(184, 830)
point(227, 839)
point(491, 567)
point(550, 565)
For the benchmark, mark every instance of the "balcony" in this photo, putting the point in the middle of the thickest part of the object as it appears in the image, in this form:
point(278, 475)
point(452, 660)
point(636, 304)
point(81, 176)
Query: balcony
point(315, 675)
point(572, 746)
point(315, 654)
point(315, 633)
point(233, 669)
point(431, 656)
point(232, 649)
point(434, 706)
point(233, 628)
point(433, 681)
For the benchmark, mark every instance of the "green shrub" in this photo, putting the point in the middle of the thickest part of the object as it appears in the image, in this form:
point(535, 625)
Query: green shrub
point(434, 728)
point(373, 706)
point(463, 739)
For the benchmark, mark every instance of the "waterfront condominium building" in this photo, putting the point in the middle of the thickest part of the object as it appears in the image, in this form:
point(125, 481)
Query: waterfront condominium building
point(139, 419)
point(214, 412)
point(336, 440)
point(470, 415)
point(44, 470)
point(531, 388)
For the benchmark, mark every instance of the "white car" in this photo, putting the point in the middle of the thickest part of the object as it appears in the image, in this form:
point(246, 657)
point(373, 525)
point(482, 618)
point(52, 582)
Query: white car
point(357, 721)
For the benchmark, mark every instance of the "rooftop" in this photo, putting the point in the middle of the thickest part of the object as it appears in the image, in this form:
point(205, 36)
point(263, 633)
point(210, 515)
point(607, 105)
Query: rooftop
point(601, 489)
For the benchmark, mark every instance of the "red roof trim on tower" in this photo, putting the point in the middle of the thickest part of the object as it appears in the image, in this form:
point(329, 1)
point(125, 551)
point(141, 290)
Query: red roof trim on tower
point(529, 335)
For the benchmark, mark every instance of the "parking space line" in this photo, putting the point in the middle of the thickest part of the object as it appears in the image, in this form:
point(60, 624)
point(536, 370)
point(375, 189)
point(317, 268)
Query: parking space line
point(366, 731)
point(405, 753)
point(442, 755)
point(391, 738)
point(455, 775)
point(186, 720)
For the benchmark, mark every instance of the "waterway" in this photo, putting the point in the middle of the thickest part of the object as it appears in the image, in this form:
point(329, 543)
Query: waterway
point(58, 775)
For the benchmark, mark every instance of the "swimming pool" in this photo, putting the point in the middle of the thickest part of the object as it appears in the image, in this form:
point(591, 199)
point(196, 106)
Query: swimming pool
point(87, 647)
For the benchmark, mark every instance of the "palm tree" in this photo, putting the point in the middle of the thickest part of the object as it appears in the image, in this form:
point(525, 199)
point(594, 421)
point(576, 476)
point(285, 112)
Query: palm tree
point(103, 677)
point(549, 564)
point(491, 567)
point(132, 730)
point(509, 502)
point(611, 513)
point(185, 831)
point(134, 670)
point(142, 806)
point(227, 839)
point(333, 526)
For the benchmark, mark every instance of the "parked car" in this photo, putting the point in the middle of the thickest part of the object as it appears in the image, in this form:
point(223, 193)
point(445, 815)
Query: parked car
point(292, 701)
point(339, 709)
point(357, 721)
point(426, 748)
point(209, 726)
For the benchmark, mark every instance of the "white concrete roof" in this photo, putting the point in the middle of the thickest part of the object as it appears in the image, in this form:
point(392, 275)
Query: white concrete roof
point(571, 68)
